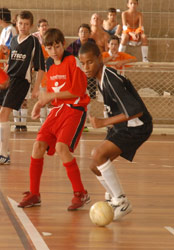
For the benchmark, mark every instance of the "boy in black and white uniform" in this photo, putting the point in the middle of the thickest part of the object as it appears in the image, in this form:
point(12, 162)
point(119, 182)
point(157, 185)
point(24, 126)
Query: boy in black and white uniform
point(130, 120)
point(25, 53)
point(7, 33)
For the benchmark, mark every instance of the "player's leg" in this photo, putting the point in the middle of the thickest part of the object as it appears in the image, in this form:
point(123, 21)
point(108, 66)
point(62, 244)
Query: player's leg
point(102, 166)
point(80, 194)
point(4, 135)
point(123, 43)
point(118, 30)
point(16, 117)
point(71, 127)
point(144, 48)
point(32, 197)
point(24, 113)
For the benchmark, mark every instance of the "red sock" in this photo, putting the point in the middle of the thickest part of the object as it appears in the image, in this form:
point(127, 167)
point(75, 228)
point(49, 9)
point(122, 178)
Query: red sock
point(36, 167)
point(74, 176)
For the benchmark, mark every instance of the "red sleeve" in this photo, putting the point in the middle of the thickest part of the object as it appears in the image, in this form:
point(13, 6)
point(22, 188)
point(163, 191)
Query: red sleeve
point(78, 78)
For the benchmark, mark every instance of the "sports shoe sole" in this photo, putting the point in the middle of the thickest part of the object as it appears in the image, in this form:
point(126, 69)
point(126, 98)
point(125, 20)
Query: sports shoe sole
point(31, 205)
point(125, 212)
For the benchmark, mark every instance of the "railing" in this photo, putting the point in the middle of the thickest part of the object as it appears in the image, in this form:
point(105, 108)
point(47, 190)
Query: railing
point(155, 83)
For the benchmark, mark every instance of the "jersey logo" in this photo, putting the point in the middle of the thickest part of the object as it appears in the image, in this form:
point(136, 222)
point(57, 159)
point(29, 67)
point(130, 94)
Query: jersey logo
point(57, 88)
point(17, 56)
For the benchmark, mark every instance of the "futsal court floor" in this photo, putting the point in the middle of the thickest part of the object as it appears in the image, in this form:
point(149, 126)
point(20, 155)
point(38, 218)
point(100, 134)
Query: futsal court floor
point(148, 182)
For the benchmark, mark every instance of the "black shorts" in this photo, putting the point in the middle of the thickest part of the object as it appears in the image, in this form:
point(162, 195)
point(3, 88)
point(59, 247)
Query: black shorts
point(129, 139)
point(2, 95)
point(16, 93)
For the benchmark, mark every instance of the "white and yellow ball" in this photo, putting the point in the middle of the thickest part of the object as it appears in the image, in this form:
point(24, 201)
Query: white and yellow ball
point(101, 213)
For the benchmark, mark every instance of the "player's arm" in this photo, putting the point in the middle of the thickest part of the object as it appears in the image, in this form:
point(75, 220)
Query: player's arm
point(38, 81)
point(35, 114)
point(46, 97)
point(126, 61)
point(39, 66)
point(140, 20)
point(99, 122)
point(140, 28)
point(123, 17)
point(107, 59)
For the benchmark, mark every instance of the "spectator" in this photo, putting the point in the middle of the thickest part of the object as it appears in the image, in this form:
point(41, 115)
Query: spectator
point(133, 29)
point(110, 25)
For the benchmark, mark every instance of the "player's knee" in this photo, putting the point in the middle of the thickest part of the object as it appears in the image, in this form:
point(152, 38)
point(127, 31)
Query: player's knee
point(144, 38)
point(61, 149)
point(39, 149)
point(124, 39)
point(24, 104)
point(96, 156)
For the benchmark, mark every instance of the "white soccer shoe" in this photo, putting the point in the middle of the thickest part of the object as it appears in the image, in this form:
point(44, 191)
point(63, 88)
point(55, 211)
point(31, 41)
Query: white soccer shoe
point(121, 206)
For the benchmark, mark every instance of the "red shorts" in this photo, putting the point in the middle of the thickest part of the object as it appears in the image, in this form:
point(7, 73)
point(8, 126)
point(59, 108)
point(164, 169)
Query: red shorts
point(63, 124)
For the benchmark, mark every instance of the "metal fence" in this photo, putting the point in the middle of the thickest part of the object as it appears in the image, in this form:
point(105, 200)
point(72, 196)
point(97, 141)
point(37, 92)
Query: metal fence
point(153, 81)
point(155, 84)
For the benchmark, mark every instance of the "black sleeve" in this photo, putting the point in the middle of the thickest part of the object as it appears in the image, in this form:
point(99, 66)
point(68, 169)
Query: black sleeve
point(125, 97)
point(38, 59)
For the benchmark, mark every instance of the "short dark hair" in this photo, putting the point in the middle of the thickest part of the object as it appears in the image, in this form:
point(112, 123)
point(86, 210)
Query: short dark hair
point(114, 37)
point(5, 15)
point(53, 35)
point(128, 1)
point(25, 14)
point(85, 25)
point(42, 20)
point(90, 47)
point(112, 10)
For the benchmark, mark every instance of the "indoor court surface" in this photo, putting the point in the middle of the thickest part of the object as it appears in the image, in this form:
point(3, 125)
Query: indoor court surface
point(148, 183)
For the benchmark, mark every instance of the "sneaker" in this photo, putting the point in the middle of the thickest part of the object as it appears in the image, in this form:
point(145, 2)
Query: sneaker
point(23, 128)
point(30, 200)
point(79, 200)
point(121, 207)
point(145, 60)
point(85, 129)
point(17, 128)
point(4, 160)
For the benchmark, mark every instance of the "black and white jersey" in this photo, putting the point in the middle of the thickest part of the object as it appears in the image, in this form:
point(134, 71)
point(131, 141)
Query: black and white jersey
point(121, 97)
point(23, 56)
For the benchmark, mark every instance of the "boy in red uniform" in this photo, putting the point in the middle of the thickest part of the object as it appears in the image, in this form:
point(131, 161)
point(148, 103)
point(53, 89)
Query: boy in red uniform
point(66, 89)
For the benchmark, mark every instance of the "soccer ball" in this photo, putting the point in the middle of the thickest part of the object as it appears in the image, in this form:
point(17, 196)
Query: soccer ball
point(101, 213)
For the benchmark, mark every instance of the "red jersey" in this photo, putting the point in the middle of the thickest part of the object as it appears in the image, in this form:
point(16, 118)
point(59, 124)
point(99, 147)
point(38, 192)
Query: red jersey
point(67, 76)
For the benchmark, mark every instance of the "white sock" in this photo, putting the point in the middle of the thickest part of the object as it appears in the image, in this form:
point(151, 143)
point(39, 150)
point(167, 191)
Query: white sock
point(109, 174)
point(4, 138)
point(16, 115)
point(42, 115)
point(103, 183)
point(122, 48)
point(144, 51)
point(24, 113)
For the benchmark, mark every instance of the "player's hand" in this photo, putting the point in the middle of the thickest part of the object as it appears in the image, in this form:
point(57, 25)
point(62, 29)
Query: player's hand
point(96, 122)
point(119, 64)
point(35, 114)
point(133, 35)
